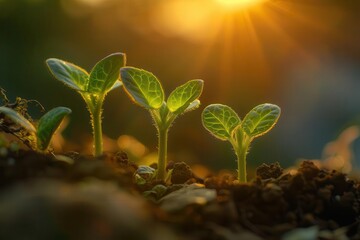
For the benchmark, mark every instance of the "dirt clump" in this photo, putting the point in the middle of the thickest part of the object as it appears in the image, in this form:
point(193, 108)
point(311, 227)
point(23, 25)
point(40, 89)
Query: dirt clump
point(265, 171)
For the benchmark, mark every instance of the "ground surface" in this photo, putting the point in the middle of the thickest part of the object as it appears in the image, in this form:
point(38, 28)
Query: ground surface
point(81, 197)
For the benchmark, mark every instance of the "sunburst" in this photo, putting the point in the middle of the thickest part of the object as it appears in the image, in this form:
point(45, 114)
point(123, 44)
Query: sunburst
point(238, 4)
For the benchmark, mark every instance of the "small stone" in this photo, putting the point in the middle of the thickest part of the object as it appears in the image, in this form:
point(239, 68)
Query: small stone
point(194, 194)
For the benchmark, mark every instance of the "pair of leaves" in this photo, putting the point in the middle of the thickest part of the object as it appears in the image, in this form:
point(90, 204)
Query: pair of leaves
point(221, 121)
point(146, 90)
point(47, 124)
point(102, 78)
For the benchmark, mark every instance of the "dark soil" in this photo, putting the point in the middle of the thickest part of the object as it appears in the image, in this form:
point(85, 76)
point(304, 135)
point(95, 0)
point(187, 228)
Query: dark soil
point(81, 197)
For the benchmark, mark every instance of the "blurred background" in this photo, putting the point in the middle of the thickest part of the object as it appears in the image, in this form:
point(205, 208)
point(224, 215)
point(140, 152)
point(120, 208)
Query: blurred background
point(303, 55)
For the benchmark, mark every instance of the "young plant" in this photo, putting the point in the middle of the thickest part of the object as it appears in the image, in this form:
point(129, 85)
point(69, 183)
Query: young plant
point(46, 126)
point(146, 90)
point(223, 122)
point(92, 86)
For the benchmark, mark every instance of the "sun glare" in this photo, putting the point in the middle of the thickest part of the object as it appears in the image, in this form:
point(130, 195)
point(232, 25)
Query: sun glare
point(238, 4)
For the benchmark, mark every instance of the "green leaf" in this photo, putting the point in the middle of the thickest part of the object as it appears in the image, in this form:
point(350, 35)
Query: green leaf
point(48, 124)
point(192, 106)
point(184, 95)
point(116, 85)
point(220, 120)
point(105, 73)
point(18, 118)
point(143, 87)
point(261, 119)
point(71, 75)
point(144, 174)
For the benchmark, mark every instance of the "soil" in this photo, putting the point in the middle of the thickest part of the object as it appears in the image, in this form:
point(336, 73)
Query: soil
point(81, 197)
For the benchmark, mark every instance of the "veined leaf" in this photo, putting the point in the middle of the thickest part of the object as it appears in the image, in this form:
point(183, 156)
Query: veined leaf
point(184, 95)
point(143, 87)
point(220, 120)
point(192, 106)
point(261, 119)
point(105, 73)
point(71, 75)
point(48, 124)
point(18, 118)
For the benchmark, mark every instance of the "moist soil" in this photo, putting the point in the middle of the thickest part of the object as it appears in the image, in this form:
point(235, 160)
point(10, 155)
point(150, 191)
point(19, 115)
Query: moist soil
point(81, 197)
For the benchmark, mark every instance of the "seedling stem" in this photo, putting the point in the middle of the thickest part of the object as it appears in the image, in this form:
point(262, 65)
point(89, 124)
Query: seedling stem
point(163, 138)
point(96, 116)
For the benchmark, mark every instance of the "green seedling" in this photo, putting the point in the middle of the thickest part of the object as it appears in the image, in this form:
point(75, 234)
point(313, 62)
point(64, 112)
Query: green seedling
point(92, 86)
point(146, 90)
point(46, 125)
point(223, 122)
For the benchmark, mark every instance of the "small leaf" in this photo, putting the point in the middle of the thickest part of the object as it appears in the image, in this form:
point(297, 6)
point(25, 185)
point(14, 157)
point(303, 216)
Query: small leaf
point(220, 120)
point(71, 75)
point(143, 87)
point(144, 174)
point(18, 118)
point(48, 124)
point(261, 119)
point(184, 95)
point(192, 106)
point(156, 192)
point(105, 73)
point(116, 85)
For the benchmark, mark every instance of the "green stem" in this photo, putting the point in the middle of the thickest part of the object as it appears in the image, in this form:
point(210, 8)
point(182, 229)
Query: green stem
point(97, 128)
point(94, 103)
point(241, 155)
point(162, 151)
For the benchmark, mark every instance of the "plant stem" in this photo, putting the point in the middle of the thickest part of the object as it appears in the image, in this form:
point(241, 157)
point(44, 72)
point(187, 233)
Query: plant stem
point(241, 152)
point(162, 151)
point(97, 129)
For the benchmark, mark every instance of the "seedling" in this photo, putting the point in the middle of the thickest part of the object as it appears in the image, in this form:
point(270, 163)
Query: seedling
point(46, 126)
point(223, 122)
point(92, 86)
point(146, 90)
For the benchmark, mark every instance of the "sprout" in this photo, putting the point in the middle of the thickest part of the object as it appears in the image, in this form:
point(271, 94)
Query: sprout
point(46, 126)
point(146, 90)
point(223, 123)
point(92, 86)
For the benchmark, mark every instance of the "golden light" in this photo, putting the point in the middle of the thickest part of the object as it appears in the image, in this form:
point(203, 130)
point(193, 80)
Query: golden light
point(238, 4)
point(185, 18)
point(239, 35)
